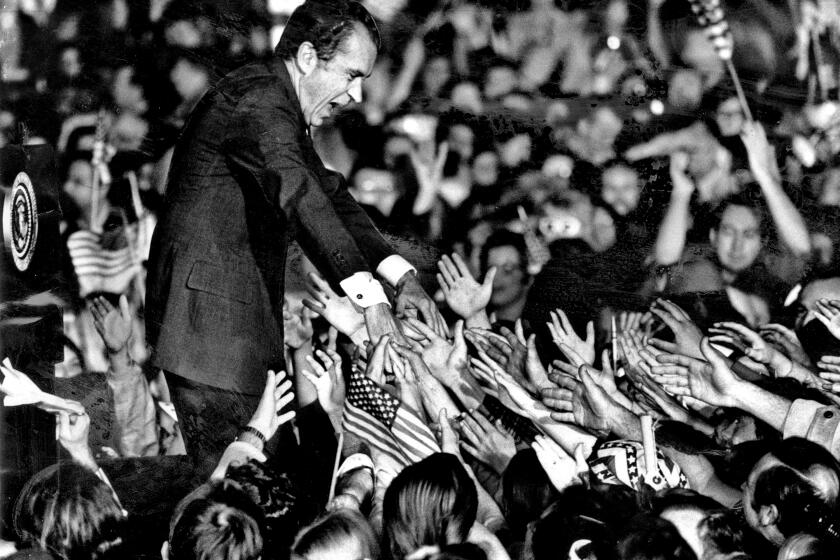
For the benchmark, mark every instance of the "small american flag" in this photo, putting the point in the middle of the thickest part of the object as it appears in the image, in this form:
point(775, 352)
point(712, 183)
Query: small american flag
point(382, 420)
point(100, 269)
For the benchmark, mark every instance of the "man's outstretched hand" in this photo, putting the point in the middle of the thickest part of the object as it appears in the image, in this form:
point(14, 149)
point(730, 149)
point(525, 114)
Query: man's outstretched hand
point(380, 322)
point(411, 295)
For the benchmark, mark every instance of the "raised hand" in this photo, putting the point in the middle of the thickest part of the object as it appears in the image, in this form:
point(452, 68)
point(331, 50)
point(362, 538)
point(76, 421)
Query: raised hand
point(375, 368)
point(112, 324)
point(447, 437)
point(830, 376)
point(580, 401)
point(517, 360)
point(605, 378)
point(710, 381)
point(277, 394)
point(429, 173)
point(445, 361)
point(687, 335)
point(562, 333)
point(72, 431)
point(329, 383)
point(487, 442)
point(830, 373)
point(297, 329)
point(464, 296)
point(503, 386)
point(743, 339)
point(406, 381)
point(787, 340)
point(562, 469)
point(828, 313)
point(337, 310)
point(410, 295)
point(491, 343)
point(681, 182)
point(759, 150)
point(534, 368)
point(636, 358)
point(635, 322)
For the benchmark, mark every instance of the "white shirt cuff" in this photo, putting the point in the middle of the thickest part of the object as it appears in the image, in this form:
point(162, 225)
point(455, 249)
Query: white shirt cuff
point(363, 290)
point(393, 268)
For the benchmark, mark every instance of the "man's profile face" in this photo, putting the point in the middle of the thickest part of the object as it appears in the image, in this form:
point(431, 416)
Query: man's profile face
point(334, 83)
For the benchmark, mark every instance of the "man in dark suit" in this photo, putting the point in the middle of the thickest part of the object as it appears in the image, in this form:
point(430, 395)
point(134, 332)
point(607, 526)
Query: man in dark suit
point(245, 179)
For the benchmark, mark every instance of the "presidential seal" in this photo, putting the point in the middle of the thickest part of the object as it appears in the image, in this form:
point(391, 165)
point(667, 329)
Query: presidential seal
point(20, 221)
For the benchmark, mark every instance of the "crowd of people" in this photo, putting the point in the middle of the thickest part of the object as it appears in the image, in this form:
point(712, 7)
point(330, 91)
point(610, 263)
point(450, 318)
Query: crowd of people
point(638, 275)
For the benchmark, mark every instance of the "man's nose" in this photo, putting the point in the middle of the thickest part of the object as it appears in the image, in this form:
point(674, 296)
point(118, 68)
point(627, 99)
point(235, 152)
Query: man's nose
point(355, 91)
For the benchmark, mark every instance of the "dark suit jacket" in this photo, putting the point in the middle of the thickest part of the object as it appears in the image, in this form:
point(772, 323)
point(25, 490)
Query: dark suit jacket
point(244, 179)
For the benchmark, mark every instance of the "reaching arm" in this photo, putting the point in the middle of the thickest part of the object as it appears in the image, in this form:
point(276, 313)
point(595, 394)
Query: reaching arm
point(273, 159)
point(670, 240)
point(787, 219)
point(135, 417)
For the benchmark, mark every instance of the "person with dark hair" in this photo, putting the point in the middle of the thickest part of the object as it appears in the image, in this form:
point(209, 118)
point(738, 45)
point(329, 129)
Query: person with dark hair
point(648, 537)
point(507, 252)
point(68, 511)
point(792, 489)
point(526, 491)
point(285, 508)
point(244, 179)
point(430, 503)
point(216, 521)
point(733, 266)
point(583, 520)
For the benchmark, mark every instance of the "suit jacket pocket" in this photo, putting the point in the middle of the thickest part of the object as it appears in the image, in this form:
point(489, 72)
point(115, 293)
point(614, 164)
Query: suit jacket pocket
point(220, 281)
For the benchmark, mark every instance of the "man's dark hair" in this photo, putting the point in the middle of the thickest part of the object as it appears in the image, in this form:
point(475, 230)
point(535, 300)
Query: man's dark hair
point(751, 199)
point(595, 513)
point(326, 24)
point(216, 521)
point(504, 238)
point(526, 491)
point(648, 537)
point(284, 505)
point(799, 503)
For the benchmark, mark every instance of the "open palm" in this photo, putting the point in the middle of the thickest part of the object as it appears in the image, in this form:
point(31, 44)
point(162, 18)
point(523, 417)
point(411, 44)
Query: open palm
point(464, 295)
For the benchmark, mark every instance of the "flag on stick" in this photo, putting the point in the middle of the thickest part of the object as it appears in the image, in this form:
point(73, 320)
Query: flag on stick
point(382, 420)
point(711, 18)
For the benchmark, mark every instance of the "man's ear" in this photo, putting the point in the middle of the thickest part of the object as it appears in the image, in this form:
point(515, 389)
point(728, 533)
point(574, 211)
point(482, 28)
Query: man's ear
point(712, 236)
point(307, 58)
point(164, 550)
point(767, 515)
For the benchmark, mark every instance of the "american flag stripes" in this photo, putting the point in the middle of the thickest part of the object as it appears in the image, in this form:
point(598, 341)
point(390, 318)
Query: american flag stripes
point(381, 419)
point(100, 269)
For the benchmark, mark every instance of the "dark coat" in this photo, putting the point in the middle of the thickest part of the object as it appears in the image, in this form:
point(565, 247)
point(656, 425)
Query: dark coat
point(245, 179)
